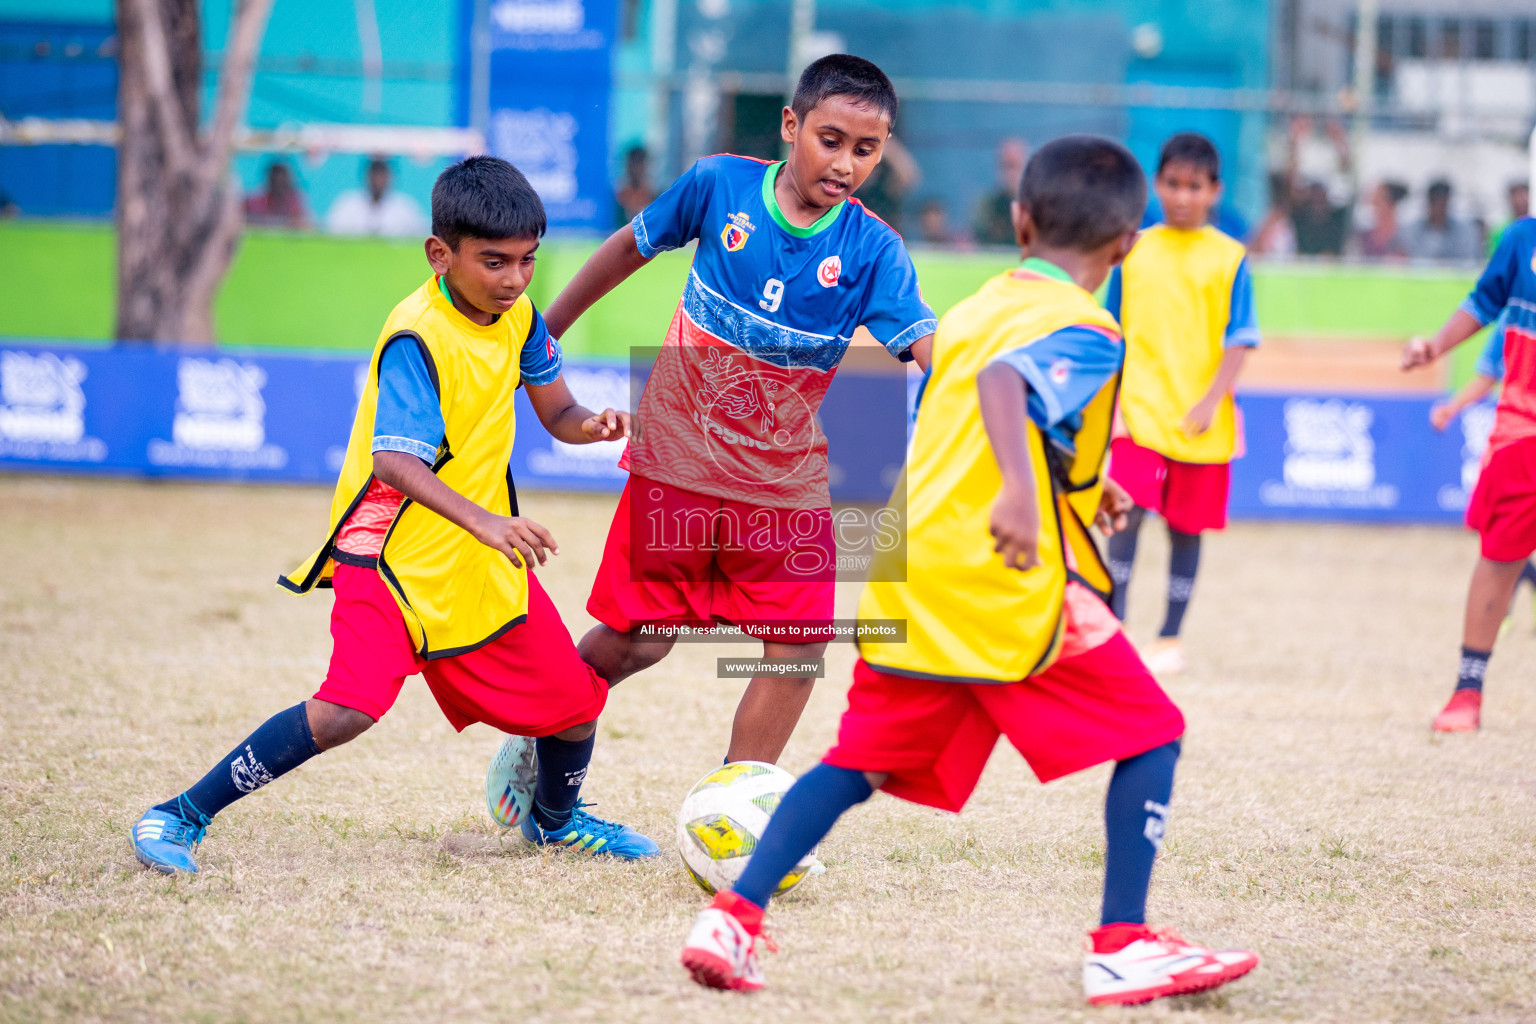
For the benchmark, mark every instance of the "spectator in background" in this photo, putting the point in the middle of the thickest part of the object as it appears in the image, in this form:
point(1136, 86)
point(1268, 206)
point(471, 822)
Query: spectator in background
point(8, 207)
point(634, 192)
point(1276, 235)
point(994, 214)
point(1439, 236)
point(1519, 206)
point(888, 184)
point(377, 210)
point(281, 204)
point(933, 223)
point(1320, 226)
point(1383, 240)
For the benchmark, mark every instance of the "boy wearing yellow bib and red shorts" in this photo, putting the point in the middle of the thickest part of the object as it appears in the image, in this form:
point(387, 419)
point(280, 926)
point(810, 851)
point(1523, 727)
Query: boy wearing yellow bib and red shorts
point(1184, 299)
point(1003, 635)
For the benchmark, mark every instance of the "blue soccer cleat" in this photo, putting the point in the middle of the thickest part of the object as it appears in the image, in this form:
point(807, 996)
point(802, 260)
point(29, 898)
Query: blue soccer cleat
point(509, 781)
point(163, 841)
point(588, 833)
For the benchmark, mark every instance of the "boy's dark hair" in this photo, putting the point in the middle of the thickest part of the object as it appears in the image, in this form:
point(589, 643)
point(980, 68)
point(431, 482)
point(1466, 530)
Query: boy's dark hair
point(1194, 149)
point(1083, 191)
point(485, 197)
point(843, 74)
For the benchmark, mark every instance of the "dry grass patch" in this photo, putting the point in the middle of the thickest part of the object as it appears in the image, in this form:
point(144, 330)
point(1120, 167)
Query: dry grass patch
point(1383, 876)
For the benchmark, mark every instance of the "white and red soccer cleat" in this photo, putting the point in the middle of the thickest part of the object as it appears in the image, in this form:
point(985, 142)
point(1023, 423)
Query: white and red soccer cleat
point(1462, 713)
point(1129, 963)
point(721, 951)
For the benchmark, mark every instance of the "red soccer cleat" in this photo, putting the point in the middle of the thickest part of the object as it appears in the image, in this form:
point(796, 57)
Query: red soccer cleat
point(1462, 713)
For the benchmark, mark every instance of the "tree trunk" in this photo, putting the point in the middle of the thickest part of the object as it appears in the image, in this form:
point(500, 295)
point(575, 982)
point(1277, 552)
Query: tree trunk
point(178, 207)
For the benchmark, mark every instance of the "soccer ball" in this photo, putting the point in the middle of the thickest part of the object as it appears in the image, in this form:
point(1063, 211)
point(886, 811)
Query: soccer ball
point(722, 819)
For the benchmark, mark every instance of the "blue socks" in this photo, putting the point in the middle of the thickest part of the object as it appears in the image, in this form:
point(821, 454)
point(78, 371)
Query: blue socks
point(1183, 563)
point(1122, 556)
point(1135, 814)
point(804, 817)
point(562, 769)
point(279, 745)
point(1474, 665)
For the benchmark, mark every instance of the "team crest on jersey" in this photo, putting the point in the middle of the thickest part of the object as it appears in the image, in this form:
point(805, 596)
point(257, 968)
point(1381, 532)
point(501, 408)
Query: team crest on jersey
point(736, 232)
point(830, 270)
point(1061, 372)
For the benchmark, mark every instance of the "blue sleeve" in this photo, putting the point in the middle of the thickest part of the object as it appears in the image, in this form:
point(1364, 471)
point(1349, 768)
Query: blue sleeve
point(1065, 370)
point(1490, 362)
point(675, 217)
point(408, 418)
point(1242, 320)
point(541, 359)
point(1112, 295)
point(1491, 295)
point(894, 310)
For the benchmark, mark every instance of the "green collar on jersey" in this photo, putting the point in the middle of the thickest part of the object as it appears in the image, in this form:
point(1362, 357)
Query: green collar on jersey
point(1046, 268)
point(770, 175)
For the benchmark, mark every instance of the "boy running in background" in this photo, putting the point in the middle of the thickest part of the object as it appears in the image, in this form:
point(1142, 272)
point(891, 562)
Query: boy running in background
point(1003, 472)
point(1503, 505)
point(429, 560)
point(729, 463)
point(1184, 299)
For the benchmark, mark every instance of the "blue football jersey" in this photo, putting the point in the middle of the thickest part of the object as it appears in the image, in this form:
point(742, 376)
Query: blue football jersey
point(766, 315)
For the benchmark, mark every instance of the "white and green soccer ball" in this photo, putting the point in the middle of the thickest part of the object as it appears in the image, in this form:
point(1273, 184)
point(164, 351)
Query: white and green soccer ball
point(724, 816)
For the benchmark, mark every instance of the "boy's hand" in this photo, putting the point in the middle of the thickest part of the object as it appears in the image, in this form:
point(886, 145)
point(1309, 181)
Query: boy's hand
point(1198, 420)
point(1441, 414)
point(1115, 505)
point(521, 540)
point(608, 425)
point(1418, 352)
point(1016, 528)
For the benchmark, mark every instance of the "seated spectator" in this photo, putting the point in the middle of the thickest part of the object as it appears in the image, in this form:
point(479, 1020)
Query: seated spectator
point(378, 210)
point(1383, 239)
point(280, 205)
point(933, 224)
point(1276, 236)
point(884, 192)
point(994, 214)
point(1320, 226)
point(634, 192)
point(1519, 206)
point(1439, 236)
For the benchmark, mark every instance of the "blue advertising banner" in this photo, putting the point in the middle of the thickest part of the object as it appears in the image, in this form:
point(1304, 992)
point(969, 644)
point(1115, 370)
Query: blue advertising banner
point(220, 415)
point(551, 71)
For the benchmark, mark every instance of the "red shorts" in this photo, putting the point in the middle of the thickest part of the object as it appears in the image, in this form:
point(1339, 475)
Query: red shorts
point(528, 681)
point(1503, 505)
point(677, 556)
point(934, 738)
point(1191, 496)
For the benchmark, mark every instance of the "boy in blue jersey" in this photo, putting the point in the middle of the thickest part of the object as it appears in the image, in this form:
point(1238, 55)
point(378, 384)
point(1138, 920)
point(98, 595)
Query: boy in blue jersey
point(788, 266)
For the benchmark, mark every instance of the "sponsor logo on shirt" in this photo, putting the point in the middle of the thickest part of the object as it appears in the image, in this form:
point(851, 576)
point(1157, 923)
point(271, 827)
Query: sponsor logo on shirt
point(830, 270)
point(734, 235)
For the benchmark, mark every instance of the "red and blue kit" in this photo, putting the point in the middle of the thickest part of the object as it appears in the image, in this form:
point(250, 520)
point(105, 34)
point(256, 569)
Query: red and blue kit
point(729, 410)
point(1503, 505)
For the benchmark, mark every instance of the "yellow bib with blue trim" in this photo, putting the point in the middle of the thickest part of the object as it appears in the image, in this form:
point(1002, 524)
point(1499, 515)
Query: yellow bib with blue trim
point(969, 617)
point(1175, 303)
point(455, 593)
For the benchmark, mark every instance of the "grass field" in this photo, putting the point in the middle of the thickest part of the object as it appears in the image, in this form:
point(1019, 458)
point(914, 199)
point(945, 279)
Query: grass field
point(1383, 876)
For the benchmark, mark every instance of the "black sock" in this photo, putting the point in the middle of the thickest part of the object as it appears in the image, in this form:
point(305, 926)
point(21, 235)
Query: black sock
point(279, 745)
point(1135, 815)
point(1183, 563)
point(562, 769)
point(1474, 665)
point(1122, 555)
point(1527, 573)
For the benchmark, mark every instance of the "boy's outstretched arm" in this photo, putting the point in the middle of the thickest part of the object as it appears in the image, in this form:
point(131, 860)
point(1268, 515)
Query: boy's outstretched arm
point(1472, 391)
point(1004, 398)
point(1423, 351)
point(568, 420)
point(522, 540)
point(1198, 420)
point(615, 260)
